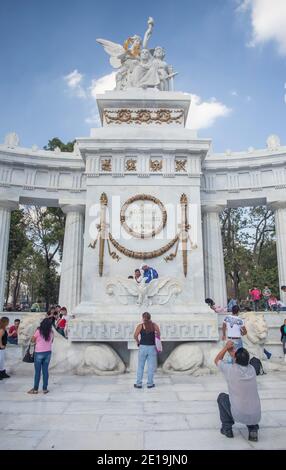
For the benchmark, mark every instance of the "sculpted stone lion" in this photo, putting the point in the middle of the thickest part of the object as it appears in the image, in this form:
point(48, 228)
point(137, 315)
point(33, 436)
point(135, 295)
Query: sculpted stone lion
point(257, 331)
point(185, 359)
point(78, 358)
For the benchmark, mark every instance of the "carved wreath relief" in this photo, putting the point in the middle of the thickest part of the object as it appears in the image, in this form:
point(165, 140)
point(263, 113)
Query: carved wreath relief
point(143, 216)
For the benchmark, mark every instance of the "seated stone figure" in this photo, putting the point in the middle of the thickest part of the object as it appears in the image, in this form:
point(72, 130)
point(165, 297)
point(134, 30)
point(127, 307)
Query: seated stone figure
point(145, 74)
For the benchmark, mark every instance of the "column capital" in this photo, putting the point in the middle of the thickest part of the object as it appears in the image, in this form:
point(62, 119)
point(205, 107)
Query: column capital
point(66, 208)
point(277, 205)
point(10, 205)
point(217, 208)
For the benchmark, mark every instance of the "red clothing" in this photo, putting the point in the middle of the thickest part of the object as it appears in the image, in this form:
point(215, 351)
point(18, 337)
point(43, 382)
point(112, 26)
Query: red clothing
point(255, 294)
point(13, 331)
point(62, 323)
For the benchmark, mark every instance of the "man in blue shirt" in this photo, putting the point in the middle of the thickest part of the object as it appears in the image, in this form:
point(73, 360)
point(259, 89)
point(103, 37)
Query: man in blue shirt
point(148, 273)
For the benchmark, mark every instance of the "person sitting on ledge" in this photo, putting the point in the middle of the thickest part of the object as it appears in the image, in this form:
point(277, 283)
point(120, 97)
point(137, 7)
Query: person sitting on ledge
point(138, 276)
point(213, 306)
point(148, 273)
point(273, 303)
point(242, 404)
point(13, 332)
point(62, 323)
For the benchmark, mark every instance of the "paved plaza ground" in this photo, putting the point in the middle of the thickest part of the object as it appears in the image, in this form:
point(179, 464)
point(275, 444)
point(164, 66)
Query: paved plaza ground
point(108, 413)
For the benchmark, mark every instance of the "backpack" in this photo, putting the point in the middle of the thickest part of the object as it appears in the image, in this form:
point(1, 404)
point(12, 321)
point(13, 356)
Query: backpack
point(256, 363)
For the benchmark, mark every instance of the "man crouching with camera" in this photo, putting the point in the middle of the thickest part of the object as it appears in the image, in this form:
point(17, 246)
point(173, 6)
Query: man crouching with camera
point(242, 404)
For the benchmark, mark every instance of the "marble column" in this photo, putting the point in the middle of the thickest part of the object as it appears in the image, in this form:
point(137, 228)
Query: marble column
point(280, 228)
point(5, 216)
point(215, 283)
point(71, 269)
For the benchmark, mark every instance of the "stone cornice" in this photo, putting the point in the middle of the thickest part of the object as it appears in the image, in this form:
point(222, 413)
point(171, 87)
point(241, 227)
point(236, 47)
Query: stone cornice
point(41, 158)
point(240, 160)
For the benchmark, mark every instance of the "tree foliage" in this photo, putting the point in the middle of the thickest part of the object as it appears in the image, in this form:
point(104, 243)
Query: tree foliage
point(248, 236)
point(57, 143)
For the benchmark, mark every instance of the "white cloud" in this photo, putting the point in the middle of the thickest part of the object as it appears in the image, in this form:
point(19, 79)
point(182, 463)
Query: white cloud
point(203, 114)
point(73, 81)
point(93, 119)
point(268, 18)
point(102, 84)
point(234, 93)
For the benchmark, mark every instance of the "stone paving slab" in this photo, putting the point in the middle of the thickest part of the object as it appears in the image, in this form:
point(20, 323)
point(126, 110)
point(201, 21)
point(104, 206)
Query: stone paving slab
point(92, 441)
point(19, 440)
point(194, 439)
point(85, 412)
point(105, 408)
point(53, 422)
point(143, 423)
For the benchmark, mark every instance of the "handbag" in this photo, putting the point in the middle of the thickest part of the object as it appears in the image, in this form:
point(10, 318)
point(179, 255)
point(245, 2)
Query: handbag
point(158, 344)
point(29, 357)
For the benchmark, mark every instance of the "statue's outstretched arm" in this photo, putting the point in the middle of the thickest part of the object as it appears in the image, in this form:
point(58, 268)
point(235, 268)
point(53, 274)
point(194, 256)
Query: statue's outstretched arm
point(148, 33)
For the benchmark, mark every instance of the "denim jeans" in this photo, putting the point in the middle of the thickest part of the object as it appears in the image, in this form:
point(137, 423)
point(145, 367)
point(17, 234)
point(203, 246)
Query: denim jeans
point(149, 354)
point(41, 363)
point(225, 413)
point(12, 340)
point(284, 344)
point(255, 305)
point(237, 343)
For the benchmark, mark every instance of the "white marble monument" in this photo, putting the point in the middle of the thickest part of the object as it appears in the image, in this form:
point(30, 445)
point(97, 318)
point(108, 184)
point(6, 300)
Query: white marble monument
point(142, 189)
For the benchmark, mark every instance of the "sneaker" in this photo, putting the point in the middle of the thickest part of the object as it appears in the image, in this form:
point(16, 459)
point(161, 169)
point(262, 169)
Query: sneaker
point(227, 432)
point(253, 436)
point(151, 386)
point(5, 375)
point(137, 386)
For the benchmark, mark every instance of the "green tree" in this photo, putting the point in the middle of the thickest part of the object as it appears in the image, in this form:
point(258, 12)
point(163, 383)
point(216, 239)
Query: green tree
point(46, 232)
point(18, 245)
point(248, 236)
point(56, 142)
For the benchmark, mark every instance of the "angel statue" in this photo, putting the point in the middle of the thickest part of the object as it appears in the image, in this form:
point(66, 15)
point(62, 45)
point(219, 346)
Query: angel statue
point(138, 66)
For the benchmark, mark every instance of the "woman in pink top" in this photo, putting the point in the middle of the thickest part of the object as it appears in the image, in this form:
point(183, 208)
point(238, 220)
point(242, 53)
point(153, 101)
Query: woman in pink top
point(273, 303)
point(43, 339)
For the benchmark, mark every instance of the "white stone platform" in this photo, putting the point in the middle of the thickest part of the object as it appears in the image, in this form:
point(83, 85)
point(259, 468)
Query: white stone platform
point(108, 413)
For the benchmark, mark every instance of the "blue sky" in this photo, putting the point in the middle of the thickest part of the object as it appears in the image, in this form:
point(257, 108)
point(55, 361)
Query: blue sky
point(230, 54)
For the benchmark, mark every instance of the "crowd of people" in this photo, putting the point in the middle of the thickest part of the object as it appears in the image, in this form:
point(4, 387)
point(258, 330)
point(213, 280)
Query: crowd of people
point(56, 319)
point(257, 300)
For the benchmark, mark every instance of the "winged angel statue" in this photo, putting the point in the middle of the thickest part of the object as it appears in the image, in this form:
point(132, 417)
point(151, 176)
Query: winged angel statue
point(157, 292)
point(139, 67)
